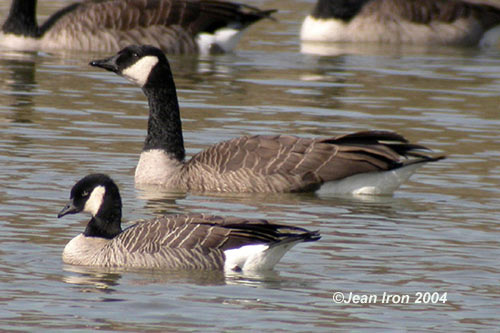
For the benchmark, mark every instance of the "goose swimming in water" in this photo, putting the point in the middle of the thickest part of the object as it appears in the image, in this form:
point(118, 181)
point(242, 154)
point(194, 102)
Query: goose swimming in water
point(194, 241)
point(423, 22)
point(175, 26)
point(370, 162)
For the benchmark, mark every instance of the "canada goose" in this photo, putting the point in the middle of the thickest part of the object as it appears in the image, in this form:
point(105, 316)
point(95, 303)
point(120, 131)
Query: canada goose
point(430, 22)
point(175, 26)
point(171, 242)
point(362, 162)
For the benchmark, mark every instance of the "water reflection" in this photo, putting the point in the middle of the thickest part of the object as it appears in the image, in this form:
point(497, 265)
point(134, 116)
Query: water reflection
point(19, 85)
point(105, 280)
point(379, 49)
point(91, 279)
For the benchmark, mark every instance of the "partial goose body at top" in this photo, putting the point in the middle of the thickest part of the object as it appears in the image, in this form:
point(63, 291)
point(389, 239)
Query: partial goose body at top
point(195, 241)
point(370, 162)
point(420, 22)
point(175, 26)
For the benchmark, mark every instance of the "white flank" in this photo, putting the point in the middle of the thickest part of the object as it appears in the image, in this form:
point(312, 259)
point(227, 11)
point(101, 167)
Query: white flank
point(94, 202)
point(139, 71)
point(373, 183)
point(225, 38)
point(256, 257)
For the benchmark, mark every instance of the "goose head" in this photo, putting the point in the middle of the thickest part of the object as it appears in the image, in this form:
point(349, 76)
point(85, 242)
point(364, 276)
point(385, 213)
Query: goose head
point(96, 194)
point(140, 64)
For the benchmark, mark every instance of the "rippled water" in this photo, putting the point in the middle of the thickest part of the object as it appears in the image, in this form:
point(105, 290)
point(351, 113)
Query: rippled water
point(61, 119)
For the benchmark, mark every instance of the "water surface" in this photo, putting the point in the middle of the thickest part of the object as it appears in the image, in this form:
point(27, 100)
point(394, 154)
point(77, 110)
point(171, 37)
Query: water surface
point(61, 119)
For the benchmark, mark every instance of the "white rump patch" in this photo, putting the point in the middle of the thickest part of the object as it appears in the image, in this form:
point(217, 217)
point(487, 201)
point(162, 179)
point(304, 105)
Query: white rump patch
point(373, 183)
point(94, 202)
point(256, 257)
point(139, 71)
point(225, 38)
point(247, 257)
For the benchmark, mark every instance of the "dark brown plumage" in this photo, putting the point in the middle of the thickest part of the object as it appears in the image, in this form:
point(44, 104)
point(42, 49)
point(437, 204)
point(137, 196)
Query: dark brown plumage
point(427, 11)
point(207, 232)
point(285, 163)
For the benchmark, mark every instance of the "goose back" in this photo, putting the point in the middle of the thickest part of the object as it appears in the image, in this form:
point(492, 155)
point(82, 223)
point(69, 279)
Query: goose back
point(285, 163)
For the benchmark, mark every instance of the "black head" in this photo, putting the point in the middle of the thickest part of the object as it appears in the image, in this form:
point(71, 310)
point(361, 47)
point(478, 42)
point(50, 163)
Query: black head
point(95, 194)
point(137, 63)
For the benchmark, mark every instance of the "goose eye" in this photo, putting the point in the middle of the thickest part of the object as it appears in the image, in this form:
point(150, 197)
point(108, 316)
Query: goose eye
point(135, 55)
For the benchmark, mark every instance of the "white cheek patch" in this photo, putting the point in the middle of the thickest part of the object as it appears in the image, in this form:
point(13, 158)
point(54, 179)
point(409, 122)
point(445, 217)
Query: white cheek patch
point(139, 71)
point(95, 200)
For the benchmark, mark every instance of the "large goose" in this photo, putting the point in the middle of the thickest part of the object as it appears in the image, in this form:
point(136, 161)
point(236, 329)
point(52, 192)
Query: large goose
point(364, 162)
point(175, 26)
point(430, 22)
point(171, 242)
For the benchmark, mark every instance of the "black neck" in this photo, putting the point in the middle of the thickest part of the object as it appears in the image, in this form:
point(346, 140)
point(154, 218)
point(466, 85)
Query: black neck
point(340, 9)
point(107, 222)
point(164, 124)
point(22, 19)
point(101, 228)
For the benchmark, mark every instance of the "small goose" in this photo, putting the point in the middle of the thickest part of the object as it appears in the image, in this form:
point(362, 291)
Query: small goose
point(194, 241)
point(424, 22)
point(175, 26)
point(361, 163)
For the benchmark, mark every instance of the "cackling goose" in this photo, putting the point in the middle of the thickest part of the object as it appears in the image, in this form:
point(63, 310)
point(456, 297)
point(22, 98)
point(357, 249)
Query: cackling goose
point(428, 22)
point(175, 26)
point(368, 162)
point(195, 241)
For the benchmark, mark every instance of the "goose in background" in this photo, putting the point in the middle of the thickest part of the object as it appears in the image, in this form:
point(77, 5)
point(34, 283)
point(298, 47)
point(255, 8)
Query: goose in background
point(420, 22)
point(370, 162)
point(195, 241)
point(175, 26)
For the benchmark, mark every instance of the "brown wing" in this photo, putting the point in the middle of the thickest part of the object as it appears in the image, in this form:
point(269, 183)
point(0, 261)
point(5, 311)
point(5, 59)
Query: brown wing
point(425, 11)
point(193, 15)
point(206, 232)
point(168, 24)
point(308, 162)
